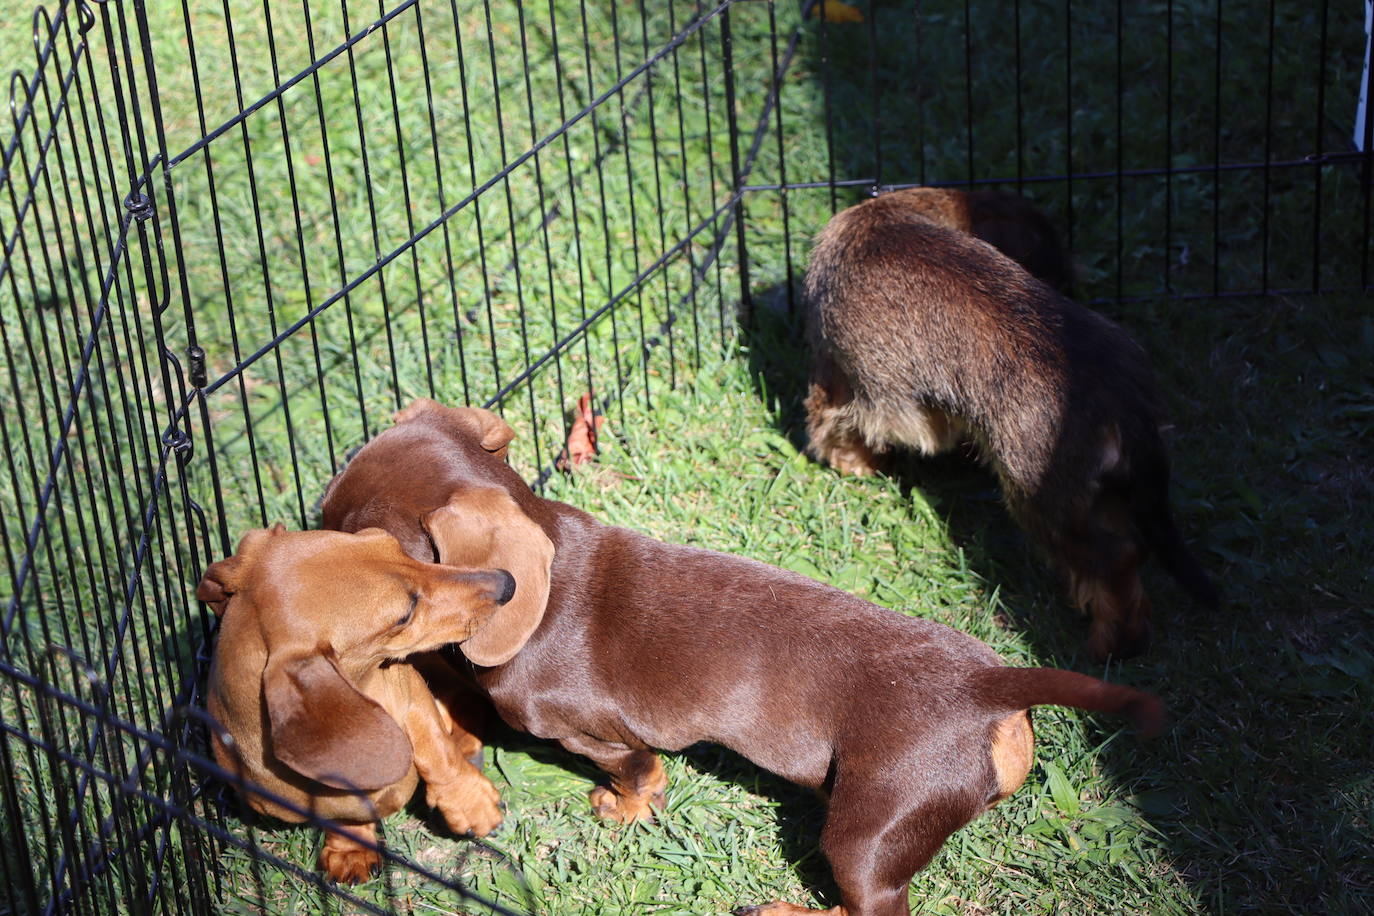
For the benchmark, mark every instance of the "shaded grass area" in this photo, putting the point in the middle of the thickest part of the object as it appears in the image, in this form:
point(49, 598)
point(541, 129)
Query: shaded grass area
point(1270, 424)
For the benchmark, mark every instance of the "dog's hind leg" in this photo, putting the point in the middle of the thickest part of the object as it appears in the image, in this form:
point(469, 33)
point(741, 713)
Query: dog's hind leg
point(876, 836)
point(637, 779)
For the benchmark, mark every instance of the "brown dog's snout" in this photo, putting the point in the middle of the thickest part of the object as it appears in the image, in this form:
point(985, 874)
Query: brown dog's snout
point(507, 591)
point(494, 585)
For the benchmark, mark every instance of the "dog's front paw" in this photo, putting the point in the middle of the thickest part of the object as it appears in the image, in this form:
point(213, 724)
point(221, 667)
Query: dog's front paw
point(470, 805)
point(347, 862)
point(610, 806)
point(849, 455)
point(778, 908)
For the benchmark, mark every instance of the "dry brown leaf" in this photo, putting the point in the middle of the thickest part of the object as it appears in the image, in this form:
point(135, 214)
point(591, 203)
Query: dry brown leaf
point(581, 445)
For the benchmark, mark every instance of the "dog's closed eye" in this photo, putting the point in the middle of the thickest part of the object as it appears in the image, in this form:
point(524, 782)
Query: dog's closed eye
point(410, 611)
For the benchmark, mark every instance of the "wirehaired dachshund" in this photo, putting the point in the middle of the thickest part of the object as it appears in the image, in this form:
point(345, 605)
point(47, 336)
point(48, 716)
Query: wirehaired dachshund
point(625, 644)
point(319, 710)
point(1006, 221)
point(922, 337)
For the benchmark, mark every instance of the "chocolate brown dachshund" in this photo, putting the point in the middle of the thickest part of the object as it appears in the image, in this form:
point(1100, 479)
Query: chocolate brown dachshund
point(625, 644)
point(307, 683)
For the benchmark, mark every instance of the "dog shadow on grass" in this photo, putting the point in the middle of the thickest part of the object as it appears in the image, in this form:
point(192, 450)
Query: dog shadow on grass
point(798, 813)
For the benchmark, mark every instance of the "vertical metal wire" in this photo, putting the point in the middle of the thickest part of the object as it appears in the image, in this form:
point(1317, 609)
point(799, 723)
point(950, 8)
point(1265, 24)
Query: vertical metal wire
point(1366, 179)
point(269, 295)
point(781, 78)
point(336, 221)
point(920, 95)
point(1268, 150)
point(669, 318)
point(1120, 152)
point(968, 91)
point(226, 289)
point(546, 215)
point(511, 219)
point(301, 252)
point(224, 269)
point(1068, 122)
point(689, 218)
point(828, 109)
point(1216, 157)
point(409, 207)
point(1020, 120)
point(874, 97)
point(450, 272)
point(371, 211)
point(155, 278)
point(714, 178)
point(173, 381)
point(605, 224)
point(728, 62)
point(572, 198)
point(630, 194)
point(1317, 168)
point(477, 200)
point(1168, 145)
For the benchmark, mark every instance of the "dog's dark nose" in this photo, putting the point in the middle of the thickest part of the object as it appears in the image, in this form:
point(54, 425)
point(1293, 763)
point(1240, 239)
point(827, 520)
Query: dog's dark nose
point(495, 585)
point(507, 587)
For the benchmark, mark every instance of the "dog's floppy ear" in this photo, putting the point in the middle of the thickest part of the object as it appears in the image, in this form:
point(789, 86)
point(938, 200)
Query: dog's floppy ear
point(219, 583)
point(483, 527)
point(323, 728)
point(492, 432)
point(222, 579)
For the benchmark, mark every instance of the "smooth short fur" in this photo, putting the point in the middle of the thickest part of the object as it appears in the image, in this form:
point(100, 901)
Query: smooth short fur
point(923, 336)
point(910, 727)
point(306, 680)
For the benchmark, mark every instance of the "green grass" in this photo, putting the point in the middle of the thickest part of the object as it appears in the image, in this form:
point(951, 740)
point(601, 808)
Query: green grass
point(1257, 798)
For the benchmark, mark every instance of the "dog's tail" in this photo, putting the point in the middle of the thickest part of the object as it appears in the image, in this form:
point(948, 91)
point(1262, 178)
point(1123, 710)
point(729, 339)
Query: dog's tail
point(1150, 509)
point(1021, 688)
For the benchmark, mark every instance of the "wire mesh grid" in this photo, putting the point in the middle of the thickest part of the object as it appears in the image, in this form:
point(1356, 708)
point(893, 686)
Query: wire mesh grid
point(239, 235)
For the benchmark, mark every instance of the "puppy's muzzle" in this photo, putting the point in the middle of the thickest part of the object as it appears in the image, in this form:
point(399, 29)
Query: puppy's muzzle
point(494, 585)
point(507, 591)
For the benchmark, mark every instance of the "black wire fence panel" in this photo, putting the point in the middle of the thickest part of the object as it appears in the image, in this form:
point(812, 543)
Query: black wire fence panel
point(1190, 148)
point(239, 234)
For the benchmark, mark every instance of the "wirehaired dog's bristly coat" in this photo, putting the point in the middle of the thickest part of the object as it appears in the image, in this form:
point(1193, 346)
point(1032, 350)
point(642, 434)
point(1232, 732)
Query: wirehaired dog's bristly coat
point(923, 335)
point(1004, 220)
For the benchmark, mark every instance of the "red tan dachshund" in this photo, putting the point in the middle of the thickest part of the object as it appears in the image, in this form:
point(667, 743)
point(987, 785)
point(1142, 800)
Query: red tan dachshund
point(626, 644)
point(306, 682)
point(923, 337)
